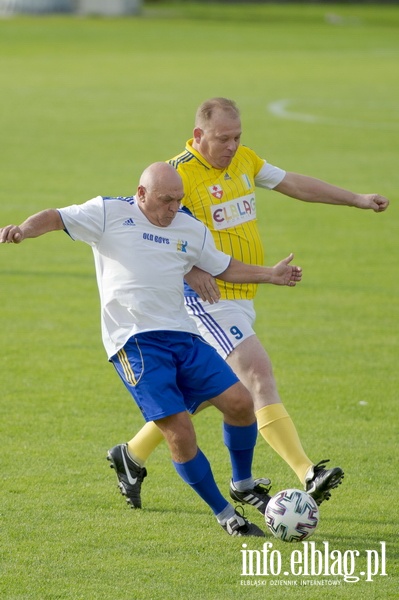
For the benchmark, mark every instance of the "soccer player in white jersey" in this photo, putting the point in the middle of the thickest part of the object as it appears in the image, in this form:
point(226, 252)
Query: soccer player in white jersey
point(143, 247)
point(220, 176)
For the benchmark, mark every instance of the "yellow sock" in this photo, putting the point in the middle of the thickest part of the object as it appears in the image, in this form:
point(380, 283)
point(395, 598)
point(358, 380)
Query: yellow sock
point(277, 428)
point(144, 442)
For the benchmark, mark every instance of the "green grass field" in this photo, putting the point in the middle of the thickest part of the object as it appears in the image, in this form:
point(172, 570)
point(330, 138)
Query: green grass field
point(86, 104)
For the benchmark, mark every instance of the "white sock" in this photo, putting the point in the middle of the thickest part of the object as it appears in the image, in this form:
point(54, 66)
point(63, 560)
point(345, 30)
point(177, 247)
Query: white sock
point(244, 484)
point(226, 514)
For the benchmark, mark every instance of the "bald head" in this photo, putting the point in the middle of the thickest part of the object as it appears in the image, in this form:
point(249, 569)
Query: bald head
point(160, 175)
point(159, 193)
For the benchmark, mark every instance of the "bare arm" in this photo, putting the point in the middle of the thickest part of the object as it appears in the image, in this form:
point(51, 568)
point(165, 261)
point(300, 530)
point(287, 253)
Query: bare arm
point(204, 284)
point(34, 226)
point(281, 274)
point(309, 189)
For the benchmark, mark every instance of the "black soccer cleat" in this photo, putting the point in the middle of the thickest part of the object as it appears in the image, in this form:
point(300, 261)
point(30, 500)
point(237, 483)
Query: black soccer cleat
point(130, 475)
point(258, 496)
point(319, 481)
point(240, 526)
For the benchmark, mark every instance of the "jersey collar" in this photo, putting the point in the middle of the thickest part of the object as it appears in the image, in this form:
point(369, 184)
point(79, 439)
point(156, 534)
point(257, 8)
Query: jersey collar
point(197, 155)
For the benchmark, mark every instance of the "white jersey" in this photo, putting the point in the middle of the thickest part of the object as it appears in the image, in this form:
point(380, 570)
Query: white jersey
point(140, 267)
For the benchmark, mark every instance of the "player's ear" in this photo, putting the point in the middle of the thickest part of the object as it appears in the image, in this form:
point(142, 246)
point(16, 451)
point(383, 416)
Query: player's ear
point(197, 134)
point(141, 193)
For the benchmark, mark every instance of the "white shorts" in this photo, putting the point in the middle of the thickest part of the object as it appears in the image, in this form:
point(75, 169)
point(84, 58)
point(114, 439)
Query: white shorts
point(225, 324)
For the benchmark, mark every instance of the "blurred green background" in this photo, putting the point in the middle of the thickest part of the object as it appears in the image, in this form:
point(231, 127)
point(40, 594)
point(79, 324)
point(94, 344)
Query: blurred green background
point(86, 104)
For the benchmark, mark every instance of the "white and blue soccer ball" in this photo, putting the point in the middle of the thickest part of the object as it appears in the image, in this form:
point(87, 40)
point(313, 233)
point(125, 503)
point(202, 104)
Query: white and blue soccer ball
point(292, 515)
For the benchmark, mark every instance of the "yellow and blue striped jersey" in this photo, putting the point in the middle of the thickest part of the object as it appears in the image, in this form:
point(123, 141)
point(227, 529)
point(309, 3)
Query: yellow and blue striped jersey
point(224, 199)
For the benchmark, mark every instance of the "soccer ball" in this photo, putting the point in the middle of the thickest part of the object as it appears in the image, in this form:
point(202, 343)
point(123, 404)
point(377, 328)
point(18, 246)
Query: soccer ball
point(292, 515)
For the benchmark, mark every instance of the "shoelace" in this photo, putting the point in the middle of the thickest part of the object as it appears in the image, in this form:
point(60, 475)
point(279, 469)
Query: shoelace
point(319, 468)
point(262, 486)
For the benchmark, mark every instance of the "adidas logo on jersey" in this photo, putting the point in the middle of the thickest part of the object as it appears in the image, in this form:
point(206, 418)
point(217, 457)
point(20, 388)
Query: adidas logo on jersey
point(129, 222)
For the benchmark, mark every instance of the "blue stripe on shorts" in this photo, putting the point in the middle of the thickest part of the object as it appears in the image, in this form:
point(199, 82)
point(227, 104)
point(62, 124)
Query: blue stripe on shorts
point(196, 309)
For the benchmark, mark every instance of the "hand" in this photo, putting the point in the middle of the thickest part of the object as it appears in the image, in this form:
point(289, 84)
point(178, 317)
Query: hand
point(12, 234)
point(286, 274)
point(204, 284)
point(372, 201)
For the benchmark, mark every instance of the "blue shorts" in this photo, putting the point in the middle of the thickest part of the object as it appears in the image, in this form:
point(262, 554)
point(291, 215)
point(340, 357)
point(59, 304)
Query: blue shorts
point(168, 372)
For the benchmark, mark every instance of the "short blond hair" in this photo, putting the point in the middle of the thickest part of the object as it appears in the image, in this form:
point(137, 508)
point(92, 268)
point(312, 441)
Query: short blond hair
point(207, 109)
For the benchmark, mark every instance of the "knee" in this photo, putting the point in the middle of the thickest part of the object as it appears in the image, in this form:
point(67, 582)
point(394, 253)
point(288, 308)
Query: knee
point(177, 429)
point(180, 437)
point(241, 406)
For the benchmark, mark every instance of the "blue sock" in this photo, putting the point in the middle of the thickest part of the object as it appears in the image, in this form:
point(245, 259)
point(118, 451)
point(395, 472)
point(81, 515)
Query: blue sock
point(240, 442)
point(198, 474)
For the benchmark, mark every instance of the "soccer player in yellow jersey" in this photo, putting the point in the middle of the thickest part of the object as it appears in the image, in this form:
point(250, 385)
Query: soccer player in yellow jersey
point(220, 176)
